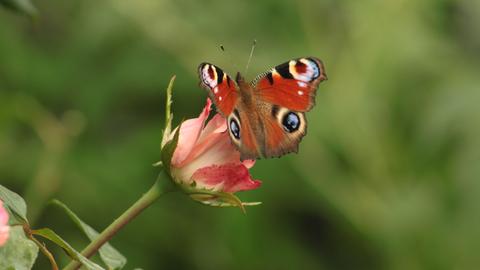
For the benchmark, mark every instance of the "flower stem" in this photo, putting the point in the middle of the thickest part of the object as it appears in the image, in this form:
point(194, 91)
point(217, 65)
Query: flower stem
point(41, 246)
point(159, 188)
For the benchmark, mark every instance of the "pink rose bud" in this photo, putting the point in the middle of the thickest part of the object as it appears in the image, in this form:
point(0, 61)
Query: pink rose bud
point(206, 158)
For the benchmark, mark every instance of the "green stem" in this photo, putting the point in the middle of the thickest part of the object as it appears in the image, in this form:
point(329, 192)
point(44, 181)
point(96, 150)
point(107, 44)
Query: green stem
point(159, 188)
point(41, 246)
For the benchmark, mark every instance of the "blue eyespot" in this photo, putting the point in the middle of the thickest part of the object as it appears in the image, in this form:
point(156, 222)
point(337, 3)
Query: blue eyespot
point(291, 122)
point(235, 128)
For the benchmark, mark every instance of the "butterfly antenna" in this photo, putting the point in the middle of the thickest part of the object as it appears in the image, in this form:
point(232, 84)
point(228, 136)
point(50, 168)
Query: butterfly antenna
point(250, 57)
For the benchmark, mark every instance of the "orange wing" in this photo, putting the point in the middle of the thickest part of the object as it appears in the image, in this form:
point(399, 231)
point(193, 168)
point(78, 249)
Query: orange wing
point(292, 84)
point(223, 91)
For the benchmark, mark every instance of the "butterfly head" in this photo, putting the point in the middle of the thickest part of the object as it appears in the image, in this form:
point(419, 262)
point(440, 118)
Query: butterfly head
point(239, 79)
point(245, 88)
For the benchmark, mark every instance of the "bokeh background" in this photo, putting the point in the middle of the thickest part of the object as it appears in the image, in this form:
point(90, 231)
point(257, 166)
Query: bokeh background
point(387, 178)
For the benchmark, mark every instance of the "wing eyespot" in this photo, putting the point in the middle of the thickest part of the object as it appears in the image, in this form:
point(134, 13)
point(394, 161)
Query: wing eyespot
point(234, 128)
point(209, 75)
point(304, 69)
point(291, 122)
point(234, 125)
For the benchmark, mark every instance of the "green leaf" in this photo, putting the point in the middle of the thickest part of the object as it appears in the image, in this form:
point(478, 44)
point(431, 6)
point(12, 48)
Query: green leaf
point(109, 255)
point(169, 149)
point(75, 255)
point(19, 253)
point(23, 6)
point(14, 204)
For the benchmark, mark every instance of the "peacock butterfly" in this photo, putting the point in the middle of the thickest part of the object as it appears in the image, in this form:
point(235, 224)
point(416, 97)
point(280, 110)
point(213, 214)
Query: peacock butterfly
point(265, 118)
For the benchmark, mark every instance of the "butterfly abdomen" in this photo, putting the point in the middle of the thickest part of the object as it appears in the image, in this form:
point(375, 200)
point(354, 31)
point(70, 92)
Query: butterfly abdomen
point(246, 92)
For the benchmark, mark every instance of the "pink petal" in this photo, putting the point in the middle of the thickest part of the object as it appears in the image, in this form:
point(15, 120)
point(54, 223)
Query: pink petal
point(189, 133)
point(3, 215)
point(211, 135)
point(4, 228)
point(217, 124)
point(4, 234)
point(248, 163)
point(228, 178)
point(218, 151)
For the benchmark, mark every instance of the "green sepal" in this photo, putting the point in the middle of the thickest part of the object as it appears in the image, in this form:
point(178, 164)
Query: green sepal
point(15, 204)
point(216, 198)
point(168, 149)
point(75, 255)
point(109, 255)
point(168, 115)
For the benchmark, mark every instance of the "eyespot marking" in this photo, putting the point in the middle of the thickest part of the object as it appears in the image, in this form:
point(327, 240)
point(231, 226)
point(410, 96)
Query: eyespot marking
point(209, 76)
point(211, 71)
point(304, 69)
point(291, 122)
point(312, 64)
point(234, 128)
point(300, 67)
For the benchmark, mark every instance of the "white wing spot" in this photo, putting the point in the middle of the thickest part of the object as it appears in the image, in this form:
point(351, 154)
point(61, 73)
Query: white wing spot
point(220, 98)
point(215, 90)
point(300, 92)
point(301, 84)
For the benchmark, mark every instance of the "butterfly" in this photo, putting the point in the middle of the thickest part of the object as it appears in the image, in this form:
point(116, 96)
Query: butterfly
point(266, 117)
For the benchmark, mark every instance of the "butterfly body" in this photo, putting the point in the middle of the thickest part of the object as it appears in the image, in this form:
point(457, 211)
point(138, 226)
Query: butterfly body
point(265, 118)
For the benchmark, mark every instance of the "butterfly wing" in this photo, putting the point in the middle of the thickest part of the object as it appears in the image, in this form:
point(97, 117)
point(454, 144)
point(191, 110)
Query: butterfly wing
point(284, 94)
point(266, 131)
point(223, 91)
point(283, 130)
point(292, 84)
point(244, 133)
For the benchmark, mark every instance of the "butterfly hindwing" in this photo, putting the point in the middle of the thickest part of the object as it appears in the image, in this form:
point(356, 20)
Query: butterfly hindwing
point(244, 132)
point(266, 131)
point(283, 129)
point(221, 88)
point(292, 84)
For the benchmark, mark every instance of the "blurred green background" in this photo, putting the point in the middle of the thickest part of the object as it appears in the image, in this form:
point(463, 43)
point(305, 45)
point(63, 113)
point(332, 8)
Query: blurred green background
point(387, 178)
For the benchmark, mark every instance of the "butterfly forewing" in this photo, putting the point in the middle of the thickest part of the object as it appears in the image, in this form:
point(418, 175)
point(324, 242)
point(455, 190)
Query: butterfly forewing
point(292, 84)
point(221, 88)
